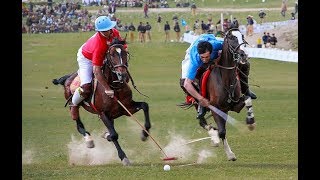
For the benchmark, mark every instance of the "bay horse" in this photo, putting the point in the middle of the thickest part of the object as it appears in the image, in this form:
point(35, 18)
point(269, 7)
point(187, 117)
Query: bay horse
point(222, 87)
point(115, 70)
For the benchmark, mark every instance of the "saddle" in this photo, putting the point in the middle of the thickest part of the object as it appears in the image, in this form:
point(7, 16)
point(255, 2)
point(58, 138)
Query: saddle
point(90, 100)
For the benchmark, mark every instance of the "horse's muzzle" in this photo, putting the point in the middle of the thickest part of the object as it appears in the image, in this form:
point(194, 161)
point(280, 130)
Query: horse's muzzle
point(243, 57)
point(122, 76)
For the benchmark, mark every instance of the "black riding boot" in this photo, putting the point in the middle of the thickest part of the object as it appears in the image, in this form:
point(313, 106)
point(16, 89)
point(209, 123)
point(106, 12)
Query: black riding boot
point(84, 93)
point(244, 81)
point(201, 112)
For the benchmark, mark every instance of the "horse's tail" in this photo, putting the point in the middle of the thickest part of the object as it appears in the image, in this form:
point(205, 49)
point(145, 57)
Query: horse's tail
point(61, 80)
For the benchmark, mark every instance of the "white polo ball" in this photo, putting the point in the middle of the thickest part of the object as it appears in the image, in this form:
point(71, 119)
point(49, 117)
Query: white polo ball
point(166, 167)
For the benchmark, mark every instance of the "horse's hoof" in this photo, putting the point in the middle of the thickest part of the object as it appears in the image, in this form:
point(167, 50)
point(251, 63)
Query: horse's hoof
point(251, 127)
point(126, 162)
point(232, 157)
point(250, 120)
point(143, 137)
point(89, 141)
point(214, 137)
point(90, 144)
point(105, 135)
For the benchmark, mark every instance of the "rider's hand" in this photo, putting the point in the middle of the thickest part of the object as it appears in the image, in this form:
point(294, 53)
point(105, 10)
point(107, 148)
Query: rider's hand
point(204, 102)
point(110, 93)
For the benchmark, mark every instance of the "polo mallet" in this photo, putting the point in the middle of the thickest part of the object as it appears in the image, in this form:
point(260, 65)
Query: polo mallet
point(196, 140)
point(225, 116)
point(131, 115)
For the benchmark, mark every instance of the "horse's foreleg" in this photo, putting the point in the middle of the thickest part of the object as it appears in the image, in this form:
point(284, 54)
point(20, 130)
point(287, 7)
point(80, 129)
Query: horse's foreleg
point(250, 116)
point(213, 133)
point(231, 156)
point(113, 136)
point(203, 123)
point(221, 123)
point(145, 107)
point(86, 134)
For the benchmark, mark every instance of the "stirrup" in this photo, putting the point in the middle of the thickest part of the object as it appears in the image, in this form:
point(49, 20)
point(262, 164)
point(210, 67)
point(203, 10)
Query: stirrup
point(202, 112)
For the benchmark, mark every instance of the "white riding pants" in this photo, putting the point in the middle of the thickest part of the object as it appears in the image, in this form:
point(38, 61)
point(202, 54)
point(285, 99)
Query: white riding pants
point(85, 68)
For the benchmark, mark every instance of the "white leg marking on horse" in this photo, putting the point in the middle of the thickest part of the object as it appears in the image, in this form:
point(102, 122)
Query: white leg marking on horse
point(230, 154)
point(105, 134)
point(248, 102)
point(214, 137)
point(89, 141)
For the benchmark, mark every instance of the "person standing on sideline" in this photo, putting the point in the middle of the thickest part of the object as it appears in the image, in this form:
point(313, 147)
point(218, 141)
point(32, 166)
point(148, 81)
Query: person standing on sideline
point(159, 22)
point(265, 39)
point(176, 29)
point(29, 23)
point(148, 31)
point(273, 40)
point(193, 9)
point(283, 8)
point(167, 31)
point(142, 32)
point(90, 59)
point(250, 23)
point(262, 15)
point(145, 10)
point(132, 30)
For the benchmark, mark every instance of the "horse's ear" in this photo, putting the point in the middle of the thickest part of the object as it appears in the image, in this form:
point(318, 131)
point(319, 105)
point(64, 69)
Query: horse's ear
point(117, 41)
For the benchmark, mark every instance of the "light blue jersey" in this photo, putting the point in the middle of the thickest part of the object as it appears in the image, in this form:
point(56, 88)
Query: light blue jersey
point(195, 62)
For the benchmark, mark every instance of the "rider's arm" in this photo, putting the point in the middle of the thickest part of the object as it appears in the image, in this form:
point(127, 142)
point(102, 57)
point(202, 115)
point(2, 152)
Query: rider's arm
point(189, 87)
point(101, 79)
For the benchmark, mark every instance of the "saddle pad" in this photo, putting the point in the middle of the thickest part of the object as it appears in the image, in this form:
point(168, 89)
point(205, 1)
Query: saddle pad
point(75, 84)
point(204, 79)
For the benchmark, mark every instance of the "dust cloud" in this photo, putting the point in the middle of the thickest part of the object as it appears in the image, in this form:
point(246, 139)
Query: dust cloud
point(104, 152)
point(28, 157)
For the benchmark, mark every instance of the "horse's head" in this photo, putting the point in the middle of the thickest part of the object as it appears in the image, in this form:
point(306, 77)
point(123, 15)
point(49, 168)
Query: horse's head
point(234, 42)
point(117, 62)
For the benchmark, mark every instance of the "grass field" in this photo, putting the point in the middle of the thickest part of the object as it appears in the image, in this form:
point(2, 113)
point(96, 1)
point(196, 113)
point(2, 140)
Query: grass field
point(269, 152)
point(49, 135)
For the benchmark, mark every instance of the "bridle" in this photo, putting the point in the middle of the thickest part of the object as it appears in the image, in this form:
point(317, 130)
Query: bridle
point(116, 50)
point(236, 54)
point(238, 57)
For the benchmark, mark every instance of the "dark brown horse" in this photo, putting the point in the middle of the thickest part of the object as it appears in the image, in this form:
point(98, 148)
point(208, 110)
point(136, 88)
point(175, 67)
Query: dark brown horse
point(223, 88)
point(116, 72)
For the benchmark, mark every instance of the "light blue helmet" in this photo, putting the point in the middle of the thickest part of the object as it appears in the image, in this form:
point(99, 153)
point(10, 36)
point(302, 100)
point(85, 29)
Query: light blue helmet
point(103, 23)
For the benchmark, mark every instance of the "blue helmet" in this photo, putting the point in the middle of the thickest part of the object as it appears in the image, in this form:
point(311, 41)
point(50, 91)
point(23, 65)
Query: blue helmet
point(103, 23)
